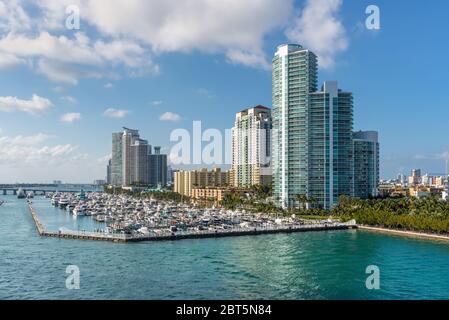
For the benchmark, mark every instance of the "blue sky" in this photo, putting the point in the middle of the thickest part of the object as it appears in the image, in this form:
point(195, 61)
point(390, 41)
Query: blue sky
point(206, 60)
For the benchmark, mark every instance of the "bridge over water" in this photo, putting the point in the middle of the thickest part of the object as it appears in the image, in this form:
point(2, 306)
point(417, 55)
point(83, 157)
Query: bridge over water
point(44, 189)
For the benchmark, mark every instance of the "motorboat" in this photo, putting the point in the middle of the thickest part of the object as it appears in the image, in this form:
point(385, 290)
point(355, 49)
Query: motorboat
point(55, 200)
point(63, 203)
point(79, 211)
point(21, 194)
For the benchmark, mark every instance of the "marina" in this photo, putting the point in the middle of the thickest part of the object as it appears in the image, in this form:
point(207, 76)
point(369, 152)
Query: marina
point(129, 219)
point(298, 265)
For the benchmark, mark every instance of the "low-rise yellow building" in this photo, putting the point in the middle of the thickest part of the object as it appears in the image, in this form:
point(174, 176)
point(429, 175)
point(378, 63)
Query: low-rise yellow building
point(186, 181)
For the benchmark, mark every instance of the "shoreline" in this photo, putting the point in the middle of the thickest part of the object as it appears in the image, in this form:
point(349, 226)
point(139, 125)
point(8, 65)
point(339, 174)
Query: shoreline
point(403, 233)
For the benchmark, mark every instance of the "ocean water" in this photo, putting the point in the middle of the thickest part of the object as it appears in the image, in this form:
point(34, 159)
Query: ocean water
point(321, 265)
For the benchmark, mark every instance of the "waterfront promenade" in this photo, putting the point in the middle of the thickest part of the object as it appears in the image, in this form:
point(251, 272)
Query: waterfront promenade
point(124, 238)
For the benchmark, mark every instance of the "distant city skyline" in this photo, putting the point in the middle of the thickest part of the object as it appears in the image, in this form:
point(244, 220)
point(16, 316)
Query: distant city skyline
point(63, 92)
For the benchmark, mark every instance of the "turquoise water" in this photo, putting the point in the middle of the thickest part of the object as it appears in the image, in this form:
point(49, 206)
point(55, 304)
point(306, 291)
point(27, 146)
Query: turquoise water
point(323, 265)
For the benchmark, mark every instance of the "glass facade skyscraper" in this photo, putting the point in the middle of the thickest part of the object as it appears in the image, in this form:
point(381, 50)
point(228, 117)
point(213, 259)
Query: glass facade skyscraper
point(312, 133)
point(157, 164)
point(133, 163)
point(366, 164)
point(294, 78)
point(330, 145)
point(117, 159)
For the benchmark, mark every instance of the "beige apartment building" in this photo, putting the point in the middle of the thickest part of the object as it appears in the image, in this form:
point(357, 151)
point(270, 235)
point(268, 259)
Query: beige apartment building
point(186, 181)
point(251, 148)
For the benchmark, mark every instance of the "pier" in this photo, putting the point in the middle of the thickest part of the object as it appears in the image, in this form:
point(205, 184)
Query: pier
point(124, 238)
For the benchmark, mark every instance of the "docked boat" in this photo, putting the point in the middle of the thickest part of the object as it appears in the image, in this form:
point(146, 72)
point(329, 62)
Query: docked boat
point(21, 194)
point(63, 203)
point(82, 196)
point(70, 208)
point(79, 211)
point(144, 231)
point(1, 202)
point(30, 195)
point(55, 200)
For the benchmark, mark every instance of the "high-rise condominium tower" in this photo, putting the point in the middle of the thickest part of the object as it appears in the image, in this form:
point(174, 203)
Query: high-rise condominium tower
point(157, 166)
point(330, 147)
point(109, 172)
point(294, 78)
point(366, 164)
point(251, 147)
point(140, 151)
point(129, 138)
point(312, 132)
point(133, 163)
point(117, 160)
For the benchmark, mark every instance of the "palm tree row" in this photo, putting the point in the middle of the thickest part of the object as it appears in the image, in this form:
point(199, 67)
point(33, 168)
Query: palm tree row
point(428, 214)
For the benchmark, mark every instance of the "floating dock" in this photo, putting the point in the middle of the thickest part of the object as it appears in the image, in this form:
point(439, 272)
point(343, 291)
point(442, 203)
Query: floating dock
point(122, 238)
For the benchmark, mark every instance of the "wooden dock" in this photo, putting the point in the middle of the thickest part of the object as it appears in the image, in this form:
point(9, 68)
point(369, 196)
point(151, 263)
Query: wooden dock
point(122, 238)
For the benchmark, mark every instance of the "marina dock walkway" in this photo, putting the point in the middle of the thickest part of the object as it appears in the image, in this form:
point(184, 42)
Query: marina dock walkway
point(123, 238)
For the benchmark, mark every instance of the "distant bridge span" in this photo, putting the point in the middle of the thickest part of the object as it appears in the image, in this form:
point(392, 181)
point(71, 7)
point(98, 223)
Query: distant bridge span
point(44, 189)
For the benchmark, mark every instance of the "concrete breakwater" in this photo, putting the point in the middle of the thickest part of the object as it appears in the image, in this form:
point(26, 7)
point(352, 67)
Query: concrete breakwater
point(124, 238)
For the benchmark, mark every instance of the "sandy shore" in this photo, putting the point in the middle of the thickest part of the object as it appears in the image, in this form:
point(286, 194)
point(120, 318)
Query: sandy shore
point(411, 234)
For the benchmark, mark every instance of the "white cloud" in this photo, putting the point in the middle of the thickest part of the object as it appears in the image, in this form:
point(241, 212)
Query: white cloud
point(157, 103)
point(69, 99)
point(319, 29)
point(64, 60)
point(108, 85)
point(71, 117)
point(131, 33)
point(104, 159)
point(34, 106)
point(8, 60)
point(115, 113)
point(234, 28)
point(25, 140)
point(62, 48)
point(170, 116)
point(64, 73)
point(13, 17)
point(250, 58)
point(26, 151)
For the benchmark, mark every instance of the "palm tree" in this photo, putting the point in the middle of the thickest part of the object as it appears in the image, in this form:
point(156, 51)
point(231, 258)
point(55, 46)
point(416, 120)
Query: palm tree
point(302, 200)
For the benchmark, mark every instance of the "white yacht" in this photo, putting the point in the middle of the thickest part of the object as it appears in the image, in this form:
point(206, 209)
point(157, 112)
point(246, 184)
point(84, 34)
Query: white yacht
point(79, 211)
point(21, 194)
point(63, 203)
point(144, 231)
point(70, 208)
point(55, 200)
